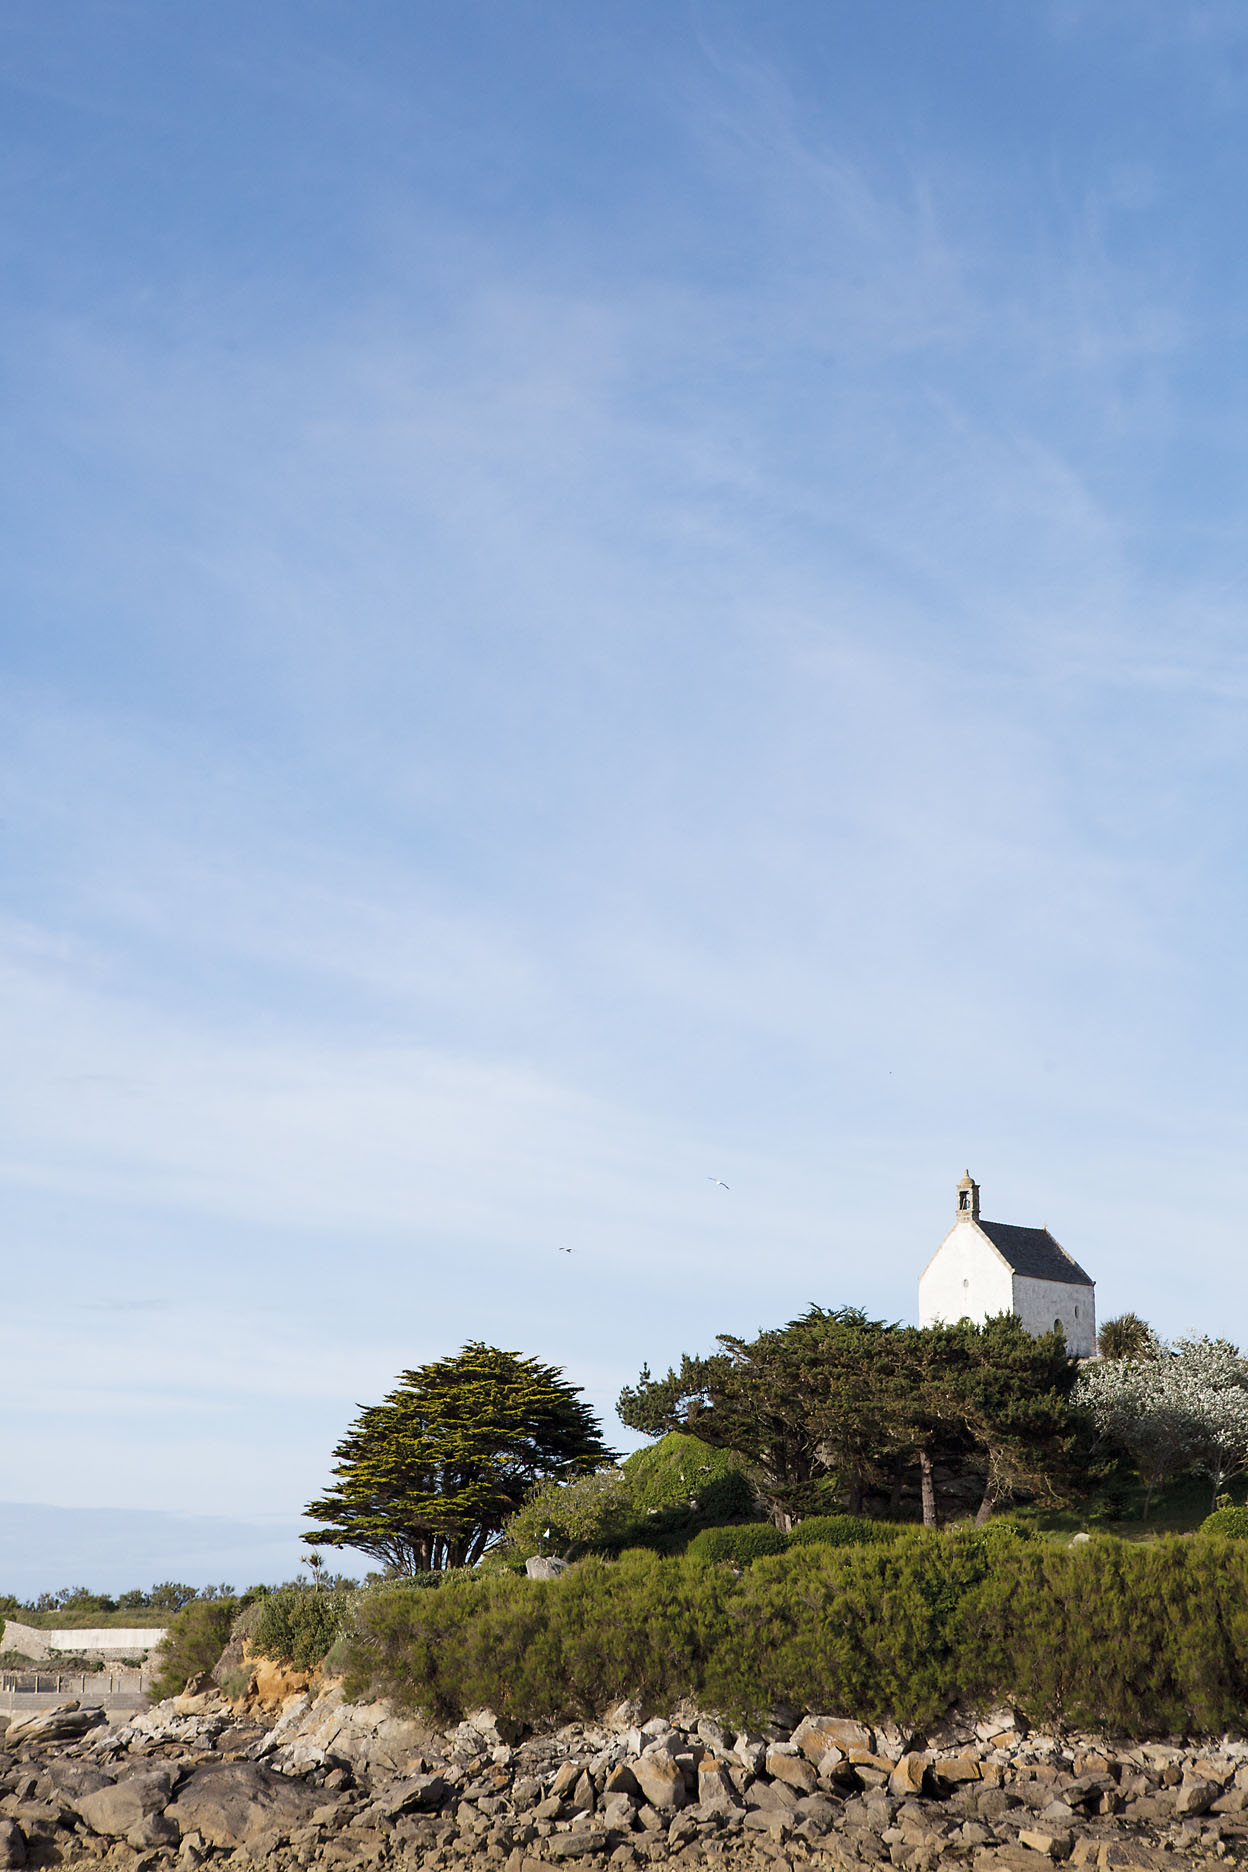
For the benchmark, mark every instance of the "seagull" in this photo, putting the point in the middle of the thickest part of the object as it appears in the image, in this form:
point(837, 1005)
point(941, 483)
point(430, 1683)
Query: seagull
point(718, 1181)
point(565, 1251)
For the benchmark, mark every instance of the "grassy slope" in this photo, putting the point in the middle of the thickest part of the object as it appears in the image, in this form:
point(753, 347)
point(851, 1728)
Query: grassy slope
point(91, 1621)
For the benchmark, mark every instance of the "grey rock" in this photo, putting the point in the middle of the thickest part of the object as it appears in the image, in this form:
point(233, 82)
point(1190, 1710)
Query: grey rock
point(751, 1752)
point(12, 1844)
point(715, 1787)
point(368, 1738)
point(761, 1820)
point(582, 1795)
point(566, 1777)
point(413, 1794)
point(542, 1566)
point(815, 1735)
point(1195, 1797)
point(660, 1780)
point(575, 1845)
point(619, 1811)
point(155, 1829)
point(72, 1778)
point(621, 1780)
point(232, 1803)
point(61, 1724)
point(771, 1797)
point(119, 1807)
point(498, 1731)
point(784, 1763)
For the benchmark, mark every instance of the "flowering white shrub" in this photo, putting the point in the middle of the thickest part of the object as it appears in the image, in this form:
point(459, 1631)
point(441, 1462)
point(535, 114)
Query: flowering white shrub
point(1180, 1406)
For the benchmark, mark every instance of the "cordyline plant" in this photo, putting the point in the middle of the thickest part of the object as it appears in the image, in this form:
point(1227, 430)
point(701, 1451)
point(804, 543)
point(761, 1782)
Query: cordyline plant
point(1179, 1406)
point(427, 1478)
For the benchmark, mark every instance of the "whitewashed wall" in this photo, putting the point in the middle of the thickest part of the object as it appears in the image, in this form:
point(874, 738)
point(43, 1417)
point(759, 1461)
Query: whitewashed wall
point(119, 1641)
point(1039, 1304)
point(965, 1279)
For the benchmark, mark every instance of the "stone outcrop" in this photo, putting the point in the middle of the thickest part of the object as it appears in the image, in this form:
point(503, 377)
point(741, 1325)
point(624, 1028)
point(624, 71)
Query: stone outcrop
point(333, 1786)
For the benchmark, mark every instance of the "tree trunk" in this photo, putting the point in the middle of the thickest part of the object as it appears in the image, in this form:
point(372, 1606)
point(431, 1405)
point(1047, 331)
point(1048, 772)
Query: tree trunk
point(928, 1489)
point(855, 1495)
point(983, 1514)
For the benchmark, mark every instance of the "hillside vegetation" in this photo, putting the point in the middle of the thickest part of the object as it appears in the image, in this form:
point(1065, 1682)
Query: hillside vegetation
point(1140, 1639)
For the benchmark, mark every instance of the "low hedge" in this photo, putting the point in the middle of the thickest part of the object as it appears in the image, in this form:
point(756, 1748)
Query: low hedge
point(747, 1541)
point(750, 1540)
point(1229, 1523)
point(1138, 1639)
point(842, 1530)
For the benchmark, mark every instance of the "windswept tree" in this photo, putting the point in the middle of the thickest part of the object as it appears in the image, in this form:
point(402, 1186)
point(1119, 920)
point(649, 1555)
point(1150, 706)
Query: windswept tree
point(426, 1479)
point(835, 1407)
point(995, 1396)
point(815, 1407)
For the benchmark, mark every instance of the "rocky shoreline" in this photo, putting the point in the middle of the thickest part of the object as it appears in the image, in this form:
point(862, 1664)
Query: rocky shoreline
point(331, 1785)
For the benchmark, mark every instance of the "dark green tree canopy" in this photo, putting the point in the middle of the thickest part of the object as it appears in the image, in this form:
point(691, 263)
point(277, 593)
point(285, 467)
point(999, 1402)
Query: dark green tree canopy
point(426, 1479)
point(835, 1406)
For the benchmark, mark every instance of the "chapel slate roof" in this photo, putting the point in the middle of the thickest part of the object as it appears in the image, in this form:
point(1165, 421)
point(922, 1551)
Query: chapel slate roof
point(1034, 1253)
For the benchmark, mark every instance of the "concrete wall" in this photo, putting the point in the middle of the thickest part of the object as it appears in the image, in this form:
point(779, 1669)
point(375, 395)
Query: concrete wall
point(965, 1279)
point(1039, 1304)
point(90, 1641)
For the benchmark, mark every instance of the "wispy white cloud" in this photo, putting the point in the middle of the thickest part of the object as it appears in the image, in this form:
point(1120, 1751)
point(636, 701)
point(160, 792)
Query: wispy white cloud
point(547, 720)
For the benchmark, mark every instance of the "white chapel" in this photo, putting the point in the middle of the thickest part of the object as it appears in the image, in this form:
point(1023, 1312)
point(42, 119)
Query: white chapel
point(983, 1268)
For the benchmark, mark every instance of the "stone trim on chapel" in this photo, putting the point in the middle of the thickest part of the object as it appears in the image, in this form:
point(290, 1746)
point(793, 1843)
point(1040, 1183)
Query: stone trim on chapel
point(984, 1268)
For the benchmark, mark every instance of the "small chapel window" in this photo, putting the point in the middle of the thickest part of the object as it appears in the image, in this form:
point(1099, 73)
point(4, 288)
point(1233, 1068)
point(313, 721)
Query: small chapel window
point(964, 1199)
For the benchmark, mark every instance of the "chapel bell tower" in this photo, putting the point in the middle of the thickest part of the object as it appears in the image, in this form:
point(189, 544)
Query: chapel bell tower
point(968, 1199)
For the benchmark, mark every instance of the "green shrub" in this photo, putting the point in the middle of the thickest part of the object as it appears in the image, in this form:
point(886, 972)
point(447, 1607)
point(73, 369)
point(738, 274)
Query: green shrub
point(1108, 1635)
point(657, 1498)
point(842, 1530)
point(1228, 1523)
point(194, 1640)
point(1004, 1531)
point(297, 1625)
point(565, 1517)
point(747, 1541)
point(679, 1469)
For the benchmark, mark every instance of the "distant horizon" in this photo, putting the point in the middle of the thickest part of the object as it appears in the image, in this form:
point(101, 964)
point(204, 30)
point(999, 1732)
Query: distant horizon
point(101, 1549)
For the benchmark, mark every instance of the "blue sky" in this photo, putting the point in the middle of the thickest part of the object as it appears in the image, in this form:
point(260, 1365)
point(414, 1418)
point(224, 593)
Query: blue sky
point(594, 598)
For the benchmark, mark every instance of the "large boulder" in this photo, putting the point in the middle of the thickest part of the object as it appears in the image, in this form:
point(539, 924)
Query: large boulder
point(119, 1807)
point(12, 1845)
point(61, 1724)
point(72, 1778)
point(816, 1735)
point(232, 1802)
point(368, 1738)
point(660, 1780)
